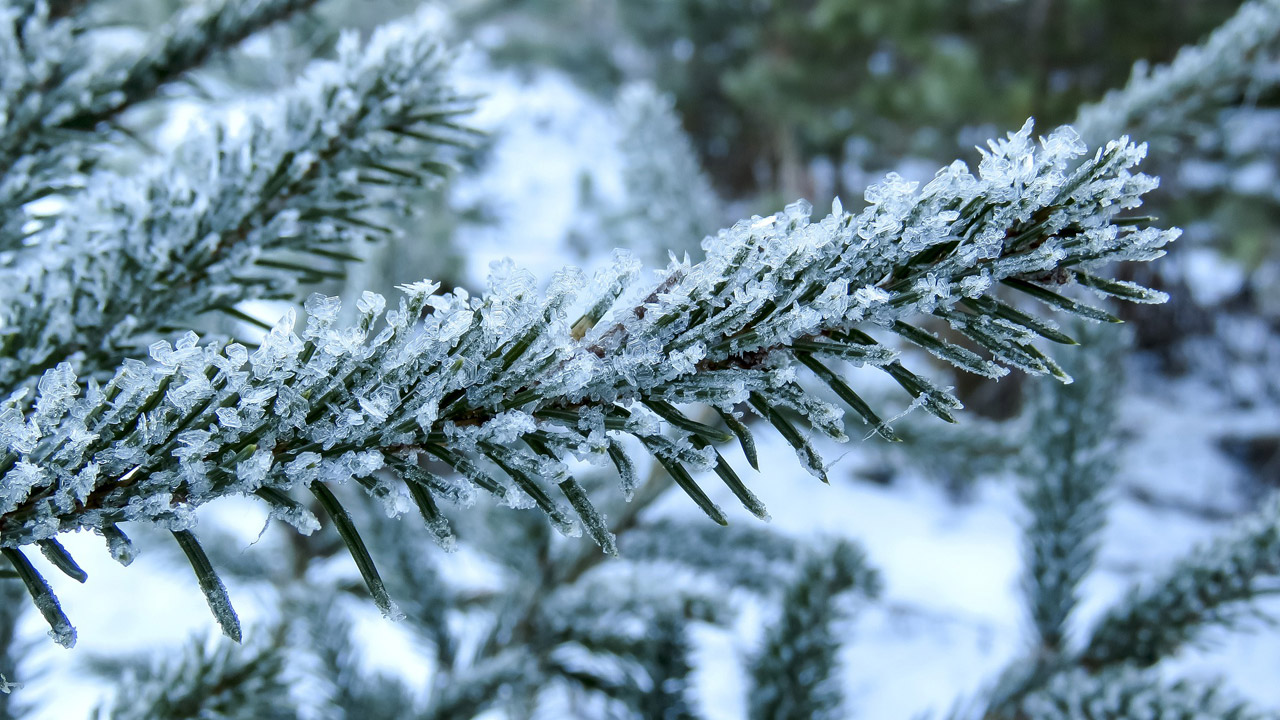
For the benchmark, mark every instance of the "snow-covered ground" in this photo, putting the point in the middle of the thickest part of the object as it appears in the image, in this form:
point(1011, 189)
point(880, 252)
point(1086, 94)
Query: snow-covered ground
point(951, 616)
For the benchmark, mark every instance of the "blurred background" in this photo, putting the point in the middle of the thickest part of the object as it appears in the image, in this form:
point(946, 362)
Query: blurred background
point(648, 124)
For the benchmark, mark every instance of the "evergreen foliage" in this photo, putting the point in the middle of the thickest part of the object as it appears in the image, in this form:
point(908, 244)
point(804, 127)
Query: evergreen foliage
point(57, 93)
point(767, 86)
point(1070, 444)
point(458, 408)
point(1172, 105)
point(793, 674)
point(561, 628)
point(1068, 466)
point(461, 380)
point(1212, 586)
point(214, 682)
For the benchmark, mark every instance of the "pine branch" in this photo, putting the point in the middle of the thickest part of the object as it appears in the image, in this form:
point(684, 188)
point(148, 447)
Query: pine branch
point(1129, 693)
point(1068, 464)
point(222, 682)
point(60, 89)
point(468, 695)
point(739, 556)
point(1167, 102)
point(347, 691)
point(466, 380)
point(669, 668)
point(629, 634)
point(1214, 585)
point(135, 256)
point(793, 675)
point(187, 41)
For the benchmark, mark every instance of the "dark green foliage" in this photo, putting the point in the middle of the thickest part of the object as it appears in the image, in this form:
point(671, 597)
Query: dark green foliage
point(766, 85)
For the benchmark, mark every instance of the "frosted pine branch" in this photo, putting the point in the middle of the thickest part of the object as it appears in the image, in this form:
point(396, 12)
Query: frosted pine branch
point(739, 557)
point(794, 673)
point(1239, 59)
point(223, 681)
point(1068, 465)
point(503, 388)
point(669, 670)
point(135, 257)
point(186, 42)
point(479, 689)
point(1130, 693)
point(1215, 585)
point(57, 87)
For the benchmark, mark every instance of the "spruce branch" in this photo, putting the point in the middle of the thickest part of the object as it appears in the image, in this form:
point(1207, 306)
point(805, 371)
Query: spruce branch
point(1165, 103)
point(793, 674)
point(669, 669)
point(633, 633)
point(187, 41)
point(57, 90)
point(1130, 693)
point(739, 556)
point(507, 386)
point(479, 688)
point(219, 681)
point(135, 257)
point(1068, 464)
point(347, 690)
point(1214, 585)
